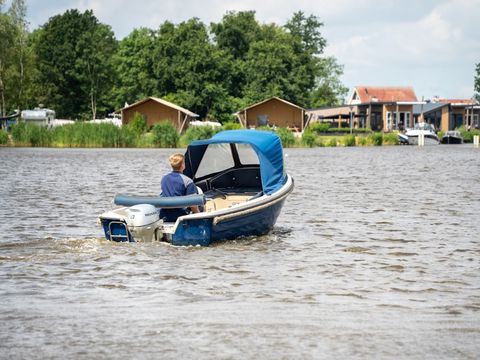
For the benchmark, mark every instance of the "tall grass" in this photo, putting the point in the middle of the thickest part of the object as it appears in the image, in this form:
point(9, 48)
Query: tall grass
point(198, 133)
point(3, 137)
point(165, 135)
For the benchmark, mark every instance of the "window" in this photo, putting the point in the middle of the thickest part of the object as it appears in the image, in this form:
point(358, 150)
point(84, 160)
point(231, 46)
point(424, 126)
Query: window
point(247, 155)
point(217, 157)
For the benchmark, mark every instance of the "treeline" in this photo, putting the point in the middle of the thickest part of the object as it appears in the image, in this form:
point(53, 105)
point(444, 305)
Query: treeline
point(74, 65)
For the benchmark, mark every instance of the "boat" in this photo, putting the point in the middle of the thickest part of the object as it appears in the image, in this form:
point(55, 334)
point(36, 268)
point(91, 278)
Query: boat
point(452, 137)
point(425, 130)
point(243, 186)
point(402, 139)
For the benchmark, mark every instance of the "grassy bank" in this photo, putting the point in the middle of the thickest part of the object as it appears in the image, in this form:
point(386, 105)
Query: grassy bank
point(164, 135)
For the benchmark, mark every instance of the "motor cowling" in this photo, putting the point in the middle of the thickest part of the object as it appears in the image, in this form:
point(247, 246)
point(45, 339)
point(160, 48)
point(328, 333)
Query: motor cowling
point(142, 215)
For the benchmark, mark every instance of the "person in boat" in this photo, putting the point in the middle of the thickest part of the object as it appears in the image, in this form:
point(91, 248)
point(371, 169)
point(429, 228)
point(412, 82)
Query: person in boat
point(175, 183)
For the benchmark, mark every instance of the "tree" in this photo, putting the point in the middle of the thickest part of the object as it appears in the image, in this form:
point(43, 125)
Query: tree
point(191, 71)
point(329, 90)
point(236, 32)
point(74, 61)
point(18, 14)
point(477, 82)
point(134, 67)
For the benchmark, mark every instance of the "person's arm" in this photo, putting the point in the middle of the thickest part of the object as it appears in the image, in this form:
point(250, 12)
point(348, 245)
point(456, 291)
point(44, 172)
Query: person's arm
point(195, 209)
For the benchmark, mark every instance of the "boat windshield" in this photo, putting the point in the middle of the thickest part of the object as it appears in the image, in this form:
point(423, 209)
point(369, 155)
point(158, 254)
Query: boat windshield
point(423, 126)
point(219, 157)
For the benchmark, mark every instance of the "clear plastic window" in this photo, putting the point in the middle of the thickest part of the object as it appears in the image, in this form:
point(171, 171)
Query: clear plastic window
point(247, 155)
point(217, 157)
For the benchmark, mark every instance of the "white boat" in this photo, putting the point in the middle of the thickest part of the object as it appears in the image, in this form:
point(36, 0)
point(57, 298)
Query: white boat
point(428, 132)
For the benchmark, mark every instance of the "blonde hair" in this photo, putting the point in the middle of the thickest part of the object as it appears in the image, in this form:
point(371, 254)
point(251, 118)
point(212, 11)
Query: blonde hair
point(176, 161)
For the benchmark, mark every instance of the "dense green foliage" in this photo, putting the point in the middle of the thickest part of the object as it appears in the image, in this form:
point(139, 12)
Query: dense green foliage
point(376, 139)
point(3, 137)
point(165, 135)
point(198, 133)
point(74, 65)
point(80, 134)
point(349, 140)
point(138, 124)
point(468, 134)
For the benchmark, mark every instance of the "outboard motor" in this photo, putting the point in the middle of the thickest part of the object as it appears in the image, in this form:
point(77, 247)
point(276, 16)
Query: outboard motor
point(143, 222)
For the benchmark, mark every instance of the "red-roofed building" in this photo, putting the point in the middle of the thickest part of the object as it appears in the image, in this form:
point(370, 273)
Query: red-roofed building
point(381, 108)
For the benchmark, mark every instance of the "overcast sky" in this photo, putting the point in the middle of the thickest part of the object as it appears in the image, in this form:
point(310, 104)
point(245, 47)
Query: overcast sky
point(431, 45)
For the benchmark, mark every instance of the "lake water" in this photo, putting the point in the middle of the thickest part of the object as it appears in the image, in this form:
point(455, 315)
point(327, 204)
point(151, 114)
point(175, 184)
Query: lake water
point(376, 255)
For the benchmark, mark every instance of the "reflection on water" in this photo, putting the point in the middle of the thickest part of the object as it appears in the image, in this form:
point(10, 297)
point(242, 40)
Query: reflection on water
point(376, 254)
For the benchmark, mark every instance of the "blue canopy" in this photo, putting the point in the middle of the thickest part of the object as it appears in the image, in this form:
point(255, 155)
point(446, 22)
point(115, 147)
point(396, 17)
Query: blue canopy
point(267, 146)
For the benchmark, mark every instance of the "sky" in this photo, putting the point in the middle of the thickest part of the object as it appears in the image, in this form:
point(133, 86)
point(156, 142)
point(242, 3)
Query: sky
point(430, 45)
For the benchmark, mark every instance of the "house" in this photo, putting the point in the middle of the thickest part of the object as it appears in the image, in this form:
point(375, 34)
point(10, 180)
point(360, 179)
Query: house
point(272, 112)
point(155, 110)
point(375, 107)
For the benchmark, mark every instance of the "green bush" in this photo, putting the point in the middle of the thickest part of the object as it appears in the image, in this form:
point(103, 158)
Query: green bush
point(468, 135)
point(376, 139)
point(349, 140)
point(332, 142)
point(3, 137)
point(319, 127)
point(138, 124)
point(361, 141)
point(286, 136)
point(390, 139)
point(308, 138)
point(231, 126)
point(165, 135)
point(198, 133)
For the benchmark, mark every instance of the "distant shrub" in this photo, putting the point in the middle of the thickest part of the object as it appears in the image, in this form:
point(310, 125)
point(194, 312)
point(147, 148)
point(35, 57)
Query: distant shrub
point(86, 134)
point(376, 139)
point(31, 134)
point(165, 135)
point(468, 135)
point(231, 126)
point(308, 138)
point(349, 140)
point(3, 137)
point(390, 139)
point(286, 136)
point(198, 133)
point(319, 127)
point(361, 141)
point(138, 124)
point(332, 142)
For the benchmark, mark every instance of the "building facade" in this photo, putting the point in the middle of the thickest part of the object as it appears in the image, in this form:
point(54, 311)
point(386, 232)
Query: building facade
point(377, 108)
point(273, 112)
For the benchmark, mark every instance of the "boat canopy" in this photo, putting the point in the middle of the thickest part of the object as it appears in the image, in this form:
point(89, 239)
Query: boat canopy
point(233, 149)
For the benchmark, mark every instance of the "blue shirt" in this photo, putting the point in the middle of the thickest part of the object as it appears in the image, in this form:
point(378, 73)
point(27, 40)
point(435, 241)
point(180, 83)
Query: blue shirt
point(176, 184)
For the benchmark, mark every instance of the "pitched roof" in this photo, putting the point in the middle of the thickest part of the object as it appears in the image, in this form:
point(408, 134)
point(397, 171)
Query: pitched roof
point(267, 100)
point(163, 102)
point(456, 101)
point(367, 94)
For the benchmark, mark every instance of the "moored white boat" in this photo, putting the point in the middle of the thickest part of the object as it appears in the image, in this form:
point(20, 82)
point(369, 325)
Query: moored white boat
point(425, 130)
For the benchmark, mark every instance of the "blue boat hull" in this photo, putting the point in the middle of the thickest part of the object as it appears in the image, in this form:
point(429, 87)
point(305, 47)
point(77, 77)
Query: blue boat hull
point(205, 231)
point(254, 218)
